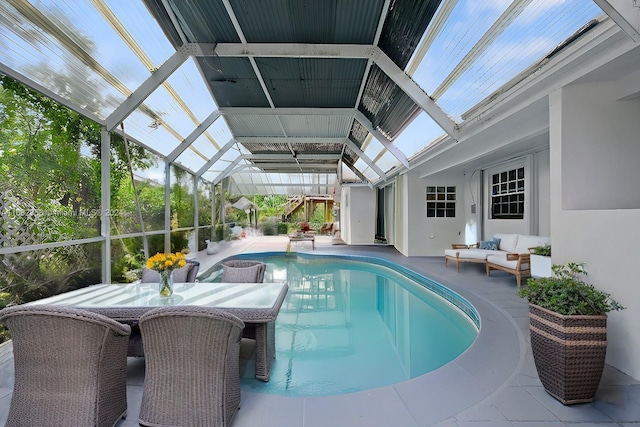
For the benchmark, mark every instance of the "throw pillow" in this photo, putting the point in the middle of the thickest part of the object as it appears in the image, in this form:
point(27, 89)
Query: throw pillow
point(491, 245)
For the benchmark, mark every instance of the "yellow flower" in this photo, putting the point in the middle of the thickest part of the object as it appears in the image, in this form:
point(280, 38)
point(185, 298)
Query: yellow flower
point(163, 262)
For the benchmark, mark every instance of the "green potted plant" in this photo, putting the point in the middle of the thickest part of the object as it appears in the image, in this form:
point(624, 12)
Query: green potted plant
point(540, 261)
point(568, 326)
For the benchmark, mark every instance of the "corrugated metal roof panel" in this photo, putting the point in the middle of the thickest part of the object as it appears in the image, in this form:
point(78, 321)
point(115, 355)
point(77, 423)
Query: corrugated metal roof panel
point(318, 126)
point(232, 81)
point(204, 21)
point(312, 82)
point(254, 125)
point(403, 28)
point(319, 147)
point(308, 21)
point(387, 106)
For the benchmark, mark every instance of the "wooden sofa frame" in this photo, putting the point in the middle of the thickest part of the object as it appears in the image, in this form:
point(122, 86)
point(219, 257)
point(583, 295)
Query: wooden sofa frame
point(521, 258)
point(457, 258)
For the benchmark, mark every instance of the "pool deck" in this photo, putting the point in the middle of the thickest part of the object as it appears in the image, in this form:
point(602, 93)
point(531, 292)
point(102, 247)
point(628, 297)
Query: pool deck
point(494, 383)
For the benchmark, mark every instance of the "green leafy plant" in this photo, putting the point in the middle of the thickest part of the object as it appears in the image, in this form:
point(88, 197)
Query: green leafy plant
point(567, 293)
point(543, 250)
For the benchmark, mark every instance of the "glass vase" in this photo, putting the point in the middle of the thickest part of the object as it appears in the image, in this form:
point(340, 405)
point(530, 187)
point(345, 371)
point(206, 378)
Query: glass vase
point(166, 283)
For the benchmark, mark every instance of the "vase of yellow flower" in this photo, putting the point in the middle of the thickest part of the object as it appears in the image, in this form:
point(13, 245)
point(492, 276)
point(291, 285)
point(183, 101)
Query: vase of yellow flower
point(164, 264)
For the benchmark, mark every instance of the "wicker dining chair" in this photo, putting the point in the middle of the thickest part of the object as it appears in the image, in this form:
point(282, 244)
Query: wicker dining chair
point(243, 271)
point(192, 375)
point(70, 367)
point(186, 274)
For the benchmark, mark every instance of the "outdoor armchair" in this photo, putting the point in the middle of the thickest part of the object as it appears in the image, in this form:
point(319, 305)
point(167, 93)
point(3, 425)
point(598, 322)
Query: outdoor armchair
point(70, 367)
point(192, 375)
point(185, 274)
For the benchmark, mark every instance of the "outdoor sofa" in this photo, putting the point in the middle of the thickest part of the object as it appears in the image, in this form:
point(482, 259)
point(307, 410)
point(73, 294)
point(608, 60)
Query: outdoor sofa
point(506, 252)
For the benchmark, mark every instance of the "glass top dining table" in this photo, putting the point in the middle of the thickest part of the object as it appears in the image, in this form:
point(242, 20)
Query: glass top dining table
point(257, 303)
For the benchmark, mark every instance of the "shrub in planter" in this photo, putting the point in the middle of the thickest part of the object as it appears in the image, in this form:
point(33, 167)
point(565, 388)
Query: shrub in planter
point(568, 326)
point(283, 228)
point(542, 250)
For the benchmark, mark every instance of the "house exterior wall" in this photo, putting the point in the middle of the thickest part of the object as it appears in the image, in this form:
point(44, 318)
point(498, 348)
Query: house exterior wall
point(430, 236)
point(593, 141)
point(357, 215)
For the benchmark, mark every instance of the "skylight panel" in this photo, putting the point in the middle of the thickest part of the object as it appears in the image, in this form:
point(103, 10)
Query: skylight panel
point(420, 132)
point(467, 23)
point(145, 30)
point(373, 148)
point(364, 168)
point(151, 133)
point(387, 161)
point(43, 59)
point(541, 27)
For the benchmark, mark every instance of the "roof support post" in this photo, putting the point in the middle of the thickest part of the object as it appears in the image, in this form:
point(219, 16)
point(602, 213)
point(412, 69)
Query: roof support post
point(105, 203)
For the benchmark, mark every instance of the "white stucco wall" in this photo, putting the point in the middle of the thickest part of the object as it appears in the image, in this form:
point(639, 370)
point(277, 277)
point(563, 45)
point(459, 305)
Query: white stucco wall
point(430, 236)
point(606, 239)
point(357, 215)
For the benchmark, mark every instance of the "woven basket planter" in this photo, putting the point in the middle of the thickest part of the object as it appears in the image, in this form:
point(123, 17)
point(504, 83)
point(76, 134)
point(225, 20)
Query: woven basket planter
point(569, 353)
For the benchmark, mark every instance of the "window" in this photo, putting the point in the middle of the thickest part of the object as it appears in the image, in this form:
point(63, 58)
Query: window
point(441, 202)
point(507, 194)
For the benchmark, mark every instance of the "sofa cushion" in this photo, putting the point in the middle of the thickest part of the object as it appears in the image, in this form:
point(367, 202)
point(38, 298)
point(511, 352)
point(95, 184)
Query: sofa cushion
point(469, 253)
point(501, 260)
point(508, 242)
point(525, 242)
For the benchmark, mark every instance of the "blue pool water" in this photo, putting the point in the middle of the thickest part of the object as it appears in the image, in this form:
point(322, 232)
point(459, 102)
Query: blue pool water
point(349, 325)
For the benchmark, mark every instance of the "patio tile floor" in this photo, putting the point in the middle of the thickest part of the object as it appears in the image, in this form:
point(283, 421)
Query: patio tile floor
point(494, 383)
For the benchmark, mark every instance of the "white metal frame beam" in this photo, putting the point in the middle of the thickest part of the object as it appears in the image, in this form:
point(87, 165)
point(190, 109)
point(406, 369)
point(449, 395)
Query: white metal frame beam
point(365, 158)
point(193, 136)
point(216, 157)
point(625, 13)
point(388, 144)
point(290, 139)
point(374, 53)
point(148, 87)
point(314, 156)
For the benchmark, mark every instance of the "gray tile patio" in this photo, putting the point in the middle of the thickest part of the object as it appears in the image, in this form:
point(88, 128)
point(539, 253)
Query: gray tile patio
point(494, 383)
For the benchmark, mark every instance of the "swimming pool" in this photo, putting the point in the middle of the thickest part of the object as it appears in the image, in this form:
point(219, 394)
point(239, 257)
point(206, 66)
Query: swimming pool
point(354, 323)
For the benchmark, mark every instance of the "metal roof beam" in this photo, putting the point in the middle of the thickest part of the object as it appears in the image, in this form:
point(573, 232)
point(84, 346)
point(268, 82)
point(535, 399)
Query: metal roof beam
point(625, 13)
point(193, 136)
point(289, 139)
point(365, 158)
point(287, 111)
point(315, 156)
point(415, 92)
point(225, 173)
point(359, 174)
point(216, 157)
point(300, 50)
point(388, 144)
point(411, 88)
point(146, 88)
point(298, 168)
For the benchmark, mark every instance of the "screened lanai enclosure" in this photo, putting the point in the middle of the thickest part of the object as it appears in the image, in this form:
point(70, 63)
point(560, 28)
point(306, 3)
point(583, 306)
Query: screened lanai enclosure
point(131, 118)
